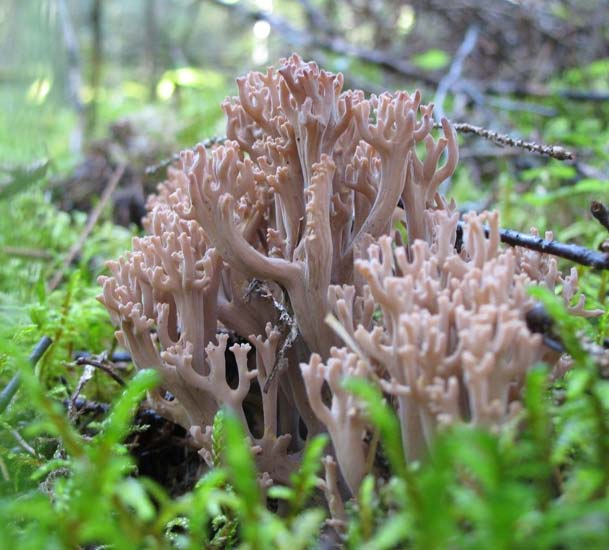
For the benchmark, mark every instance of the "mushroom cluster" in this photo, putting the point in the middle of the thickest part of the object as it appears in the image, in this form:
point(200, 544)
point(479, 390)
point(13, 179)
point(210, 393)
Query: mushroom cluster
point(323, 201)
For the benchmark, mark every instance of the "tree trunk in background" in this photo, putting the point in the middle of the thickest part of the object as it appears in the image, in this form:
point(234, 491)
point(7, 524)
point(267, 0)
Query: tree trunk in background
point(151, 45)
point(73, 76)
point(97, 53)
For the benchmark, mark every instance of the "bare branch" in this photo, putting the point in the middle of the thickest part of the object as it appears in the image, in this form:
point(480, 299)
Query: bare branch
point(503, 140)
point(286, 325)
point(32, 253)
point(74, 76)
point(84, 378)
point(575, 253)
point(600, 213)
point(93, 217)
point(101, 366)
point(157, 169)
point(456, 68)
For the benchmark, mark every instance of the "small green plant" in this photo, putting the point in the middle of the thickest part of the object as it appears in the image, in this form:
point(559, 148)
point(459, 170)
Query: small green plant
point(92, 495)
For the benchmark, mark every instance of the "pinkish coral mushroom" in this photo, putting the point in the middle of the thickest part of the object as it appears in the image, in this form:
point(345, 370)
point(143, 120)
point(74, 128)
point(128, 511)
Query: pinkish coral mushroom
point(254, 242)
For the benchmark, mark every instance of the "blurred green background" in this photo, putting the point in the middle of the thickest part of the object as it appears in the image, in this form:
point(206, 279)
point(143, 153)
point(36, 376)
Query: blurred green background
point(69, 68)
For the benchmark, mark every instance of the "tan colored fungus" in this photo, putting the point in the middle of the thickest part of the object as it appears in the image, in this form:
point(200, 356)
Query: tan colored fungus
point(254, 242)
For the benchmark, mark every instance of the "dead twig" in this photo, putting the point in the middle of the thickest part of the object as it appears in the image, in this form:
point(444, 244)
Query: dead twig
point(575, 253)
point(101, 365)
point(30, 253)
point(156, 169)
point(600, 213)
point(455, 70)
point(24, 444)
point(286, 324)
point(113, 358)
point(503, 140)
point(93, 217)
point(84, 378)
point(9, 391)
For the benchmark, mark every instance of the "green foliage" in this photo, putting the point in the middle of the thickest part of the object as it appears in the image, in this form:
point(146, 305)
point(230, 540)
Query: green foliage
point(259, 528)
point(28, 221)
point(98, 499)
point(431, 60)
point(304, 481)
point(384, 419)
point(28, 311)
point(95, 498)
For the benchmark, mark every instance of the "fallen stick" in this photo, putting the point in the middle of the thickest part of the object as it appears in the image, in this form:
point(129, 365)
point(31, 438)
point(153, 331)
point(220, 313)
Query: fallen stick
point(93, 217)
point(573, 252)
point(503, 140)
point(155, 169)
point(11, 388)
point(600, 213)
point(103, 367)
point(31, 253)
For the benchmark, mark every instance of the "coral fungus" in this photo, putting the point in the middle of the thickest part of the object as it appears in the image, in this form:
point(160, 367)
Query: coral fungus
point(320, 203)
